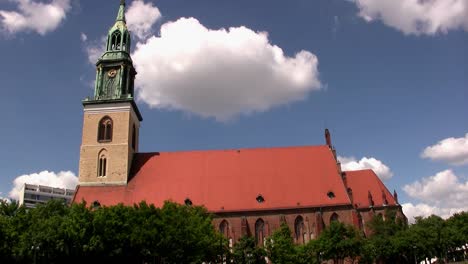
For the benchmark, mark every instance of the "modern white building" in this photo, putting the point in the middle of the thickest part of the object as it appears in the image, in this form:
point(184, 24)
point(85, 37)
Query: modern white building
point(32, 195)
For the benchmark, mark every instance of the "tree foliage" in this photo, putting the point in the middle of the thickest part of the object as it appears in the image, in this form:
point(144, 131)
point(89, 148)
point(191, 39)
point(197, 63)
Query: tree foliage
point(246, 252)
point(142, 233)
point(57, 233)
point(339, 241)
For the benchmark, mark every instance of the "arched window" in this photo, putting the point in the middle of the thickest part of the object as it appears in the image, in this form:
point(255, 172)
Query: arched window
point(105, 130)
point(224, 228)
point(124, 42)
point(361, 222)
point(134, 137)
point(334, 218)
point(259, 232)
point(115, 40)
point(299, 230)
point(102, 164)
point(380, 216)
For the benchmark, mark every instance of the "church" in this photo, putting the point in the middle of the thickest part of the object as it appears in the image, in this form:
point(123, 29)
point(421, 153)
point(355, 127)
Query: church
point(249, 191)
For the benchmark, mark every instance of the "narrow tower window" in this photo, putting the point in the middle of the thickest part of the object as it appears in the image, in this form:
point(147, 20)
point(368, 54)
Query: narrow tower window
point(124, 42)
point(133, 137)
point(102, 166)
point(105, 130)
point(116, 39)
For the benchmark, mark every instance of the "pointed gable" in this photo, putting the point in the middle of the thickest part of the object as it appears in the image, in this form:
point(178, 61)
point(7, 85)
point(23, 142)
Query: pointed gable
point(230, 180)
point(365, 182)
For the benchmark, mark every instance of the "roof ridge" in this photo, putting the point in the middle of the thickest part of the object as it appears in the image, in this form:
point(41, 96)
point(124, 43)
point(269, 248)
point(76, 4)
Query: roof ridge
point(234, 149)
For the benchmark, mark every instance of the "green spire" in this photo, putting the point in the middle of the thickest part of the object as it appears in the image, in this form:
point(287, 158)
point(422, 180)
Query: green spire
point(115, 72)
point(121, 14)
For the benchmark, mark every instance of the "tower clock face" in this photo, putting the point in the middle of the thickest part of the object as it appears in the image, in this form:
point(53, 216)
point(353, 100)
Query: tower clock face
point(112, 73)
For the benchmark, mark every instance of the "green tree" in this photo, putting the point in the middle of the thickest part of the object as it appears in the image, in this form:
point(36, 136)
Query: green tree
point(145, 234)
point(76, 231)
point(246, 252)
point(339, 241)
point(386, 242)
point(429, 237)
point(111, 229)
point(187, 235)
point(38, 233)
point(457, 233)
point(280, 248)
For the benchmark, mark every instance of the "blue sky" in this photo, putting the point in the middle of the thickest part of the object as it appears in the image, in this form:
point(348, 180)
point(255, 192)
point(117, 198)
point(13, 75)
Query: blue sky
point(389, 81)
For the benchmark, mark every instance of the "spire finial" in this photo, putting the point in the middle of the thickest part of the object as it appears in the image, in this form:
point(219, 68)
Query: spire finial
point(328, 137)
point(121, 14)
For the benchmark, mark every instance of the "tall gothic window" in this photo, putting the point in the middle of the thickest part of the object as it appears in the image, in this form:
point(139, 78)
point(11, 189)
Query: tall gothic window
point(361, 222)
point(334, 218)
point(224, 228)
point(105, 129)
point(115, 40)
point(124, 42)
point(259, 232)
point(299, 230)
point(102, 164)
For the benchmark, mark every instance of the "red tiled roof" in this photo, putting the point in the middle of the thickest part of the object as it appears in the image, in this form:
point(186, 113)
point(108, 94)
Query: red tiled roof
point(362, 182)
point(229, 180)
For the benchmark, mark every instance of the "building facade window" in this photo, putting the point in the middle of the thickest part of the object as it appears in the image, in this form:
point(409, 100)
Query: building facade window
point(224, 228)
point(260, 232)
point(115, 40)
point(102, 164)
point(334, 218)
point(105, 129)
point(133, 137)
point(299, 230)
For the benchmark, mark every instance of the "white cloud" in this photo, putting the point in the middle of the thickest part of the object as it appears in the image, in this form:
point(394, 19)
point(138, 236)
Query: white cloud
point(417, 16)
point(95, 48)
point(220, 73)
point(352, 164)
point(83, 37)
point(443, 189)
point(63, 179)
point(141, 17)
point(442, 194)
point(451, 150)
point(34, 16)
point(421, 209)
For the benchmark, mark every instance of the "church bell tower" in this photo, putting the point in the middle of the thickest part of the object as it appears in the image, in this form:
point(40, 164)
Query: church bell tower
point(111, 117)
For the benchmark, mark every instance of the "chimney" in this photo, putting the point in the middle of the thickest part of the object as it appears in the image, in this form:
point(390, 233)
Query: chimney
point(395, 195)
point(328, 138)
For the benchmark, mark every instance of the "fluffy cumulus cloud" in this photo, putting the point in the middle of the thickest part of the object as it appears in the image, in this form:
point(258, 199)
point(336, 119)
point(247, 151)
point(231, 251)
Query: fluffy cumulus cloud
point(93, 48)
point(352, 164)
point(416, 16)
point(63, 179)
point(442, 194)
point(34, 16)
point(141, 17)
point(220, 73)
point(451, 150)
